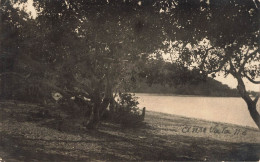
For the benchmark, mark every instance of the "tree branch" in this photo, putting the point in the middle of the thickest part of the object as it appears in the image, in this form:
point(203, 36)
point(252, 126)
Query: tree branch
point(255, 2)
point(247, 58)
point(222, 63)
point(240, 86)
point(205, 56)
point(17, 74)
point(250, 79)
point(232, 68)
point(256, 98)
point(220, 67)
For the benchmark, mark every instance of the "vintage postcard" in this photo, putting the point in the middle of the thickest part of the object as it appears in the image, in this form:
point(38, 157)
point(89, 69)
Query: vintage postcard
point(129, 80)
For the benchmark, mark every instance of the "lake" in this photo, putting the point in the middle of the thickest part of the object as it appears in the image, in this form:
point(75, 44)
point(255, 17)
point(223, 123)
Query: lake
point(220, 109)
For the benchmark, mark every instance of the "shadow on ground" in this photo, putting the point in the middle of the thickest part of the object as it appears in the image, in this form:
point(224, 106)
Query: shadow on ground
point(48, 138)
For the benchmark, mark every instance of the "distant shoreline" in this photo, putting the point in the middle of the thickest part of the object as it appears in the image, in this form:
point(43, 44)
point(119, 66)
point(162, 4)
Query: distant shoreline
point(180, 95)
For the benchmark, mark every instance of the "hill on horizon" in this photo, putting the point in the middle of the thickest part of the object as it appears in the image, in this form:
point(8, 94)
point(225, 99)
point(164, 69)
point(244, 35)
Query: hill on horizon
point(210, 87)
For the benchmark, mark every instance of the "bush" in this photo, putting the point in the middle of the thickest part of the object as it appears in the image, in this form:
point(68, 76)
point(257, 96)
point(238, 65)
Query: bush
point(126, 111)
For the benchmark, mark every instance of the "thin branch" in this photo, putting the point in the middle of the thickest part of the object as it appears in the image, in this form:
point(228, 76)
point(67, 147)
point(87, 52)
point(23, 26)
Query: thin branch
point(184, 45)
point(205, 56)
point(222, 64)
point(251, 80)
point(255, 2)
point(16, 74)
point(220, 67)
point(232, 68)
point(256, 98)
point(171, 57)
point(174, 4)
point(207, 50)
point(247, 58)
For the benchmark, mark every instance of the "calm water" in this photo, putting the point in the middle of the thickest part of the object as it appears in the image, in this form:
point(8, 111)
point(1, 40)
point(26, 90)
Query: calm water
point(221, 109)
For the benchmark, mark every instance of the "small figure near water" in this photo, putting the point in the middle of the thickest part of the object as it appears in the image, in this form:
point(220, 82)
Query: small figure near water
point(143, 113)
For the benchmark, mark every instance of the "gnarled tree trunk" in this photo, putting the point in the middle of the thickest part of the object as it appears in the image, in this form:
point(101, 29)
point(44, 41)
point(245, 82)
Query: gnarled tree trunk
point(254, 113)
point(99, 106)
point(97, 112)
point(251, 104)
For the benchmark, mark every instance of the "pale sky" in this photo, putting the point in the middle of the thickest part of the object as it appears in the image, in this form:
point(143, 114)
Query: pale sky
point(28, 7)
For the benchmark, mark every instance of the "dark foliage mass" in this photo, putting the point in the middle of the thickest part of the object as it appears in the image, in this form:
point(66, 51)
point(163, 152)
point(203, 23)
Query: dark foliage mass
point(209, 87)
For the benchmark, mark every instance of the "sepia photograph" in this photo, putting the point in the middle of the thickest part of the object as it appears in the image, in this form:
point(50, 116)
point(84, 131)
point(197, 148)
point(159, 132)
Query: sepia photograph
point(129, 80)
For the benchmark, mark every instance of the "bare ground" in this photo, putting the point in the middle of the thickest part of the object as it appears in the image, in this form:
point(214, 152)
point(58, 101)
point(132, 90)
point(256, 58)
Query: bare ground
point(27, 133)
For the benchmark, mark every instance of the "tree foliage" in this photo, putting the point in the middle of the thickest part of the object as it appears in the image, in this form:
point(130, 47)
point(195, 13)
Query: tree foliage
point(227, 40)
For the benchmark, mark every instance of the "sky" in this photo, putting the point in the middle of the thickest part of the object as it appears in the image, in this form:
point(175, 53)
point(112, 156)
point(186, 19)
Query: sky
point(28, 7)
point(229, 80)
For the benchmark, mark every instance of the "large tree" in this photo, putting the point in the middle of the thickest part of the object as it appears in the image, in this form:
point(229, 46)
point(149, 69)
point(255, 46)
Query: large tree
point(219, 36)
point(11, 21)
point(84, 49)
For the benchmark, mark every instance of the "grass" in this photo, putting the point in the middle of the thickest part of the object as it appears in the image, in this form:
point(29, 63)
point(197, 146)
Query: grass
point(29, 134)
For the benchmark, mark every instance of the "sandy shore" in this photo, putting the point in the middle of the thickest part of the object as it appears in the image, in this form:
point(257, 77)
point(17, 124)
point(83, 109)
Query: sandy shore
point(161, 137)
point(169, 124)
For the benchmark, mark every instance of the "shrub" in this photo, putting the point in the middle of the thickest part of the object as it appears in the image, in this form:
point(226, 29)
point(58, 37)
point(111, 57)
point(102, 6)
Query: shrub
point(127, 111)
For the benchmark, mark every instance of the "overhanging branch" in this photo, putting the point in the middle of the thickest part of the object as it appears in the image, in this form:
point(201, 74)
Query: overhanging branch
point(251, 80)
point(205, 56)
point(251, 55)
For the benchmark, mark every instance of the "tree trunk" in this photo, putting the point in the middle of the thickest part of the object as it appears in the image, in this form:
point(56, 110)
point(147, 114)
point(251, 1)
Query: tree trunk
point(97, 112)
point(89, 118)
point(96, 118)
point(251, 104)
point(254, 113)
point(93, 119)
point(100, 104)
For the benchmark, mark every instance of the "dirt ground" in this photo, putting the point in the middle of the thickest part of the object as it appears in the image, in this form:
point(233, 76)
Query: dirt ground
point(28, 133)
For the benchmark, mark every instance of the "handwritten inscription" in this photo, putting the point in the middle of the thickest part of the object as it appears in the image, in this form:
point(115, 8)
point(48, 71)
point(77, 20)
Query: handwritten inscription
point(216, 130)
